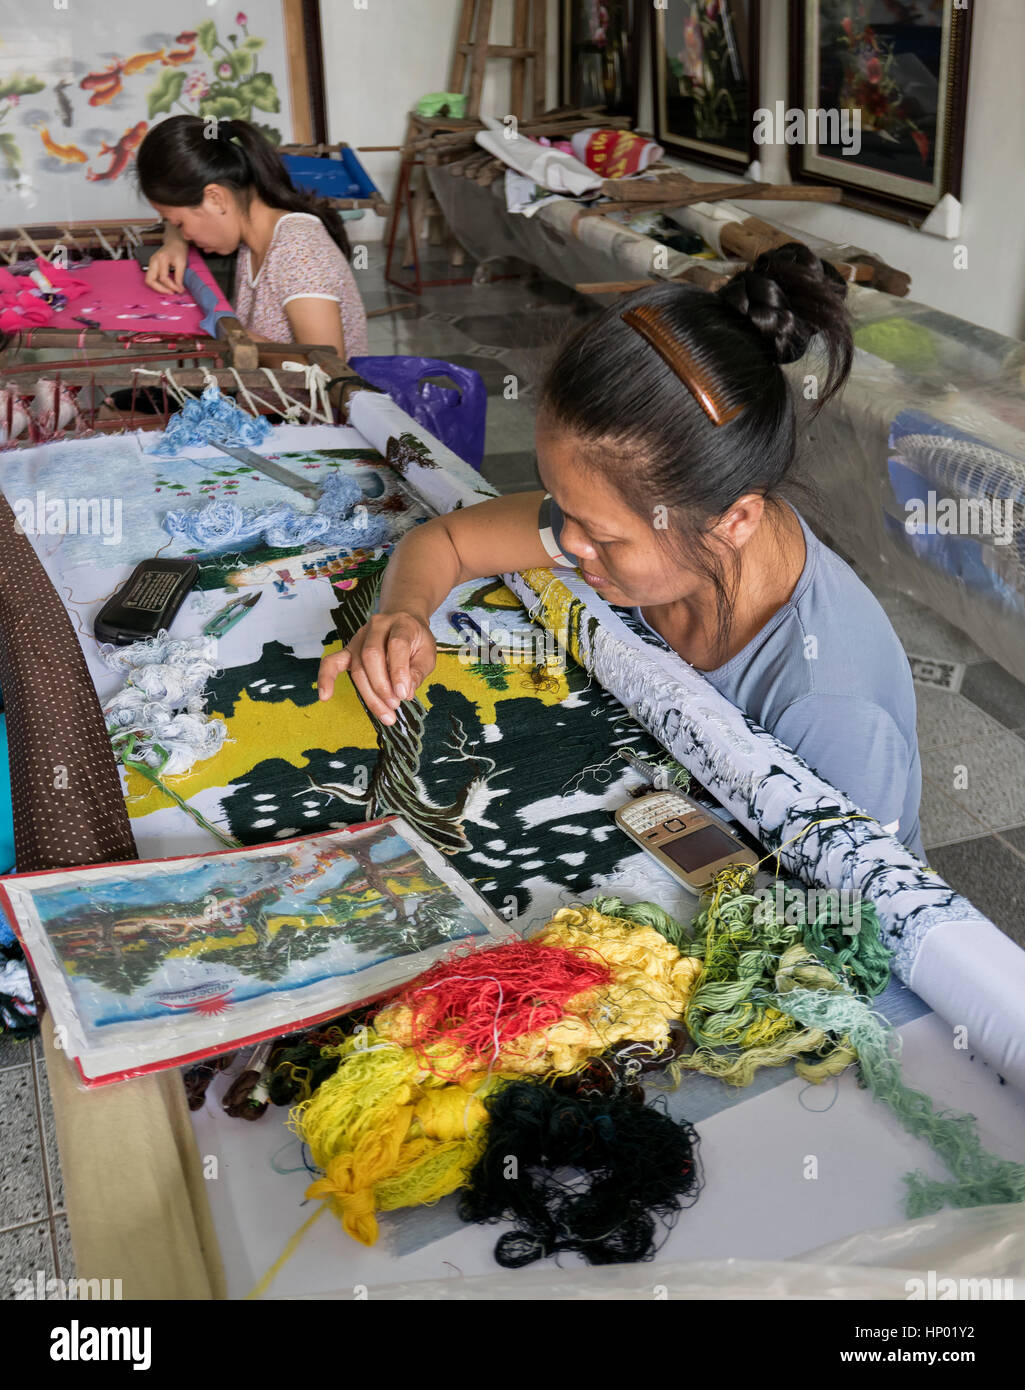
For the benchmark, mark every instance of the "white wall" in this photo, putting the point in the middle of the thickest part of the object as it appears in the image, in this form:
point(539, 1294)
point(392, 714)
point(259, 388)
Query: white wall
point(379, 62)
point(991, 289)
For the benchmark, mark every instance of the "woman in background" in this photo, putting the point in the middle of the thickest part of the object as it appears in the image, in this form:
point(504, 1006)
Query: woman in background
point(229, 191)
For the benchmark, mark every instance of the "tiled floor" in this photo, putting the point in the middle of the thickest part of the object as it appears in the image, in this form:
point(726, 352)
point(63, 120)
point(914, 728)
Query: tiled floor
point(34, 1235)
point(971, 735)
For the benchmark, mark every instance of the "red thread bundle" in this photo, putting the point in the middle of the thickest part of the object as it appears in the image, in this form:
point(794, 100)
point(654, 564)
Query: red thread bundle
point(485, 998)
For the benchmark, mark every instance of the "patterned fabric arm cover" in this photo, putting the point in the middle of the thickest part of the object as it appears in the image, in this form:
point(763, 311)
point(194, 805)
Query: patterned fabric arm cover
point(65, 787)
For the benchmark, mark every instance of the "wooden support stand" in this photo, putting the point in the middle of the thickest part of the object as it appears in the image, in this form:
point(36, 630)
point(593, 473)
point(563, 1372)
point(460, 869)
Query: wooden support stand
point(242, 352)
point(471, 55)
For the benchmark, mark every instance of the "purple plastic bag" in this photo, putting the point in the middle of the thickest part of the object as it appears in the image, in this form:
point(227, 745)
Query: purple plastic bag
point(454, 414)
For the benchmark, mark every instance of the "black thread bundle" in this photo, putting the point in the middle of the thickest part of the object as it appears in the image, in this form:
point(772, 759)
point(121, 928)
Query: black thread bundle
point(634, 1167)
point(618, 1072)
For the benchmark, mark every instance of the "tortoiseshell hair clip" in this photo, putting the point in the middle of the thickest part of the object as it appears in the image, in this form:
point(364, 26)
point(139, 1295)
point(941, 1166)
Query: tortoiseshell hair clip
point(647, 321)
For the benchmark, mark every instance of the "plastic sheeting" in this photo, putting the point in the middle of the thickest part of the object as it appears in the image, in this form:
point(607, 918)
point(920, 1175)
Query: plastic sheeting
point(566, 246)
point(933, 448)
point(928, 437)
point(973, 1255)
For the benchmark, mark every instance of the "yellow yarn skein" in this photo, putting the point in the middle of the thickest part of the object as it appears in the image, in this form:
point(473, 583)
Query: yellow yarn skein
point(394, 1128)
point(388, 1134)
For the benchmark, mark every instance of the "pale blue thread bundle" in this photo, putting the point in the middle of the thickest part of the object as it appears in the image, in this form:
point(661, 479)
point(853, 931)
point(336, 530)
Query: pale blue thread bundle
point(222, 526)
point(212, 419)
point(980, 1178)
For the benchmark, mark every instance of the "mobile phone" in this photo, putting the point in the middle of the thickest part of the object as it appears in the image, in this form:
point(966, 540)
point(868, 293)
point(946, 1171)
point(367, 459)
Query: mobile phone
point(688, 842)
point(147, 603)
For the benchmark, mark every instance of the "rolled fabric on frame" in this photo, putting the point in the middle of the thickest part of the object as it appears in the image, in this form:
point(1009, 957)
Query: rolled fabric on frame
point(952, 955)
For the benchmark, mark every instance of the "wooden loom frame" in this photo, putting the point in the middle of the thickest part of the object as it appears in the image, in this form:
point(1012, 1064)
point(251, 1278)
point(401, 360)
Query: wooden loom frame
point(114, 373)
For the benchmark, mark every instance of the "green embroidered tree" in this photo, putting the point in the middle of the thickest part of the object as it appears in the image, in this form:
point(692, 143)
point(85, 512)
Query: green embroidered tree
point(12, 89)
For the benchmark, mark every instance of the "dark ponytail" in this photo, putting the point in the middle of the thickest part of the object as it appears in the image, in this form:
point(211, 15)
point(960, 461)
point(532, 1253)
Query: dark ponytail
point(182, 154)
point(640, 426)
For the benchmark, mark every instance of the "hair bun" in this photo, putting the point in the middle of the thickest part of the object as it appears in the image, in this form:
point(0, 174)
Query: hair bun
point(788, 295)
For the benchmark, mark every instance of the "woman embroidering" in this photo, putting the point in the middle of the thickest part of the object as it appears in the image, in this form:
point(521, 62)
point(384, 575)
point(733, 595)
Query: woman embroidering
point(229, 191)
point(667, 494)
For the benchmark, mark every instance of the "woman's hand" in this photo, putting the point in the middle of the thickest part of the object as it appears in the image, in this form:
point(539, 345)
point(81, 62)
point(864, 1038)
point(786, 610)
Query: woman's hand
point(166, 270)
point(388, 659)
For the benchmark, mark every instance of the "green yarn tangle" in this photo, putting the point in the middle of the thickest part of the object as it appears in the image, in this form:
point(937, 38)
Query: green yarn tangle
point(980, 1178)
point(778, 988)
point(646, 915)
point(743, 943)
point(748, 951)
point(855, 952)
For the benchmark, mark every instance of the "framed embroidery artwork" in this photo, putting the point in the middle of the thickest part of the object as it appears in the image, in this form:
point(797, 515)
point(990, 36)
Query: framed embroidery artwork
point(891, 79)
point(146, 965)
point(705, 70)
point(599, 55)
point(77, 98)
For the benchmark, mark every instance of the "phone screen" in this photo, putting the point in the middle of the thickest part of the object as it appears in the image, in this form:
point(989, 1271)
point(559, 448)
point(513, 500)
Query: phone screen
point(705, 846)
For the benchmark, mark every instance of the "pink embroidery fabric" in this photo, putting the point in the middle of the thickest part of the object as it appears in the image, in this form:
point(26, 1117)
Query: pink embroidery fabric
point(119, 298)
point(301, 262)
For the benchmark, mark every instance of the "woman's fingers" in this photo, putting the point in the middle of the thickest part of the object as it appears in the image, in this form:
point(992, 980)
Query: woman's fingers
point(386, 661)
point(363, 659)
point(399, 645)
point(331, 667)
point(166, 273)
point(157, 278)
point(374, 665)
point(411, 657)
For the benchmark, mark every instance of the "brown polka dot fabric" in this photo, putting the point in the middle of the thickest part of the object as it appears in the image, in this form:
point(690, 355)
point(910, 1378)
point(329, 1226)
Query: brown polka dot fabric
point(65, 787)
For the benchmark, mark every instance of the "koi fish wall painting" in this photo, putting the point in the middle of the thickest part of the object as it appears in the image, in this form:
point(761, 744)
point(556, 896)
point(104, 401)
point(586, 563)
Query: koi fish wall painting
point(138, 61)
point(69, 154)
point(73, 114)
point(103, 86)
point(63, 100)
point(123, 152)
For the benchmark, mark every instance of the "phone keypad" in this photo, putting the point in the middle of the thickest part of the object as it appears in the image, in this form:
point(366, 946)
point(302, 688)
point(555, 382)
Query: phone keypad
point(655, 813)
